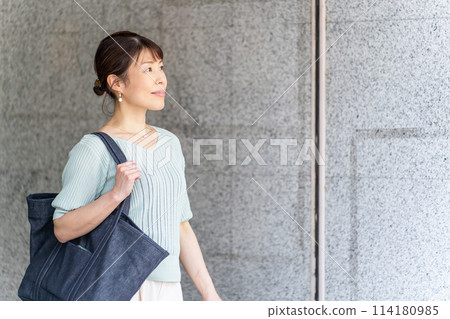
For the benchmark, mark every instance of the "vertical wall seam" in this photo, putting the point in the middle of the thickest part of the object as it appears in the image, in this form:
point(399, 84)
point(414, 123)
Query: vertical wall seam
point(318, 124)
point(313, 168)
point(321, 141)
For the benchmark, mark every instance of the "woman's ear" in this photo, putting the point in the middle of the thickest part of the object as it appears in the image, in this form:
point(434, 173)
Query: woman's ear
point(115, 83)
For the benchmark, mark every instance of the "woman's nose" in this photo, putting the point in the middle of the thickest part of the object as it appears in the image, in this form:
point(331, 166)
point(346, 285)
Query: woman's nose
point(159, 79)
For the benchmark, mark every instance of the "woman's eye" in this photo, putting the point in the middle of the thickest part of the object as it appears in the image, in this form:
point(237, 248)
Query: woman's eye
point(162, 67)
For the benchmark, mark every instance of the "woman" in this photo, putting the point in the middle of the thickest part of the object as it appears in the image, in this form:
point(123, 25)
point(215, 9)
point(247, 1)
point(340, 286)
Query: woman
point(129, 69)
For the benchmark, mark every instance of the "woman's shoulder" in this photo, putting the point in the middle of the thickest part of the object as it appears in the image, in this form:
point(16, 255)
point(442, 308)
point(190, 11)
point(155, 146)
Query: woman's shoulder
point(171, 140)
point(93, 144)
point(166, 135)
point(91, 140)
point(164, 131)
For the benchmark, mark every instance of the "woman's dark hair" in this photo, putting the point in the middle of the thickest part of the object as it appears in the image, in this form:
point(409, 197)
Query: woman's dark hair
point(114, 54)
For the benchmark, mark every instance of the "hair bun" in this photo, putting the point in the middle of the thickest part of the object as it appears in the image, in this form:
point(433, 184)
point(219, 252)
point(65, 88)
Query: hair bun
point(98, 91)
point(98, 87)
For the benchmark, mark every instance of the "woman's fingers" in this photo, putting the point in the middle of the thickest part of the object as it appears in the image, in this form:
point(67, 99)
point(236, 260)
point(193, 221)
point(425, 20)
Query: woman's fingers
point(128, 166)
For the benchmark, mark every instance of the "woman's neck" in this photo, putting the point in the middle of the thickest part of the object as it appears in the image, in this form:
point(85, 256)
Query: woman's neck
point(128, 119)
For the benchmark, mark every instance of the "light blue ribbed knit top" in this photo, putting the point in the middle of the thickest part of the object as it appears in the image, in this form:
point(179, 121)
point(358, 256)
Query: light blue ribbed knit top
point(158, 202)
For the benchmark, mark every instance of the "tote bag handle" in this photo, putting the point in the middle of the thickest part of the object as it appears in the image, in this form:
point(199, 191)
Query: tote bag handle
point(118, 156)
point(112, 147)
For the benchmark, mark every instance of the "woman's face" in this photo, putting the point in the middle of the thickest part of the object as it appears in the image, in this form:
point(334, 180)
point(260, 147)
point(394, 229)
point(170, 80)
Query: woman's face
point(144, 80)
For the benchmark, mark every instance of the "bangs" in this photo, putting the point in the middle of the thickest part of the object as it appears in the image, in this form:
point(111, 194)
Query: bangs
point(155, 52)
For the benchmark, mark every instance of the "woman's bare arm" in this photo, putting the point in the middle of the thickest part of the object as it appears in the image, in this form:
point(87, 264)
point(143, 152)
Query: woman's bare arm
point(192, 260)
point(81, 221)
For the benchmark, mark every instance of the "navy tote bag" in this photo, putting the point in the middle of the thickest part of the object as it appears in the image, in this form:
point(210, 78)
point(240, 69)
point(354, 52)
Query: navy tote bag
point(109, 263)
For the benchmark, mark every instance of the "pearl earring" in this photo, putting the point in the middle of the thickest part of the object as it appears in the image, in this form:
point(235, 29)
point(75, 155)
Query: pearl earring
point(120, 97)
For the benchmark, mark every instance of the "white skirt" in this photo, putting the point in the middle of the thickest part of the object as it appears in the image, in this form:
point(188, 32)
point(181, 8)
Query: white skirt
point(158, 290)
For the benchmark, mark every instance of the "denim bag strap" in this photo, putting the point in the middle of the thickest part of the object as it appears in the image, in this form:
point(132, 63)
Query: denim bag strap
point(112, 147)
point(118, 156)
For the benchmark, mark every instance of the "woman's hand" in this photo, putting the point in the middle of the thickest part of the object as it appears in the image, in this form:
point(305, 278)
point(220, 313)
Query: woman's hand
point(212, 297)
point(126, 174)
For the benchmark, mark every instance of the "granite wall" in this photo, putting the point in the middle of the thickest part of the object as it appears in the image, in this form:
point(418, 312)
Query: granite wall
point(238, 71)
point(388, 160)
point(231, 61)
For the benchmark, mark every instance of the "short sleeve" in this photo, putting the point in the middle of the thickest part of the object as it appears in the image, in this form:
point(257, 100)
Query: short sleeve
point(186, 212)
point(83, 179)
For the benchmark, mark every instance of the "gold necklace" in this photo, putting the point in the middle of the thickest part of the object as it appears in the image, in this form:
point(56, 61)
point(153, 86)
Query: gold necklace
point(145, 135)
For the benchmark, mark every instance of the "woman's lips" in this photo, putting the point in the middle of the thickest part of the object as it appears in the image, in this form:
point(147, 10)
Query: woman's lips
point(160, 93)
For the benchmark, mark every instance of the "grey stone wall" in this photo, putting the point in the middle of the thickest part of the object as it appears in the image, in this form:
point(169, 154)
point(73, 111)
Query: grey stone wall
point(228, 65)
point(387, 150)
point(231, 60)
